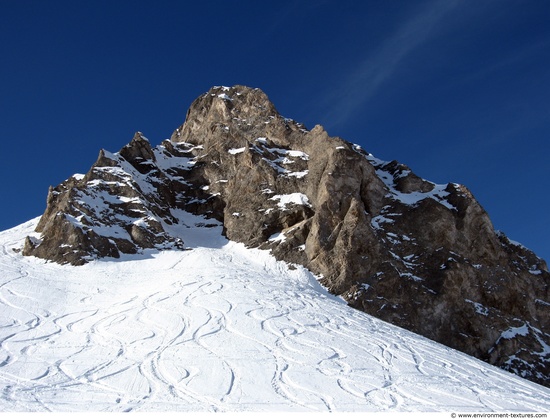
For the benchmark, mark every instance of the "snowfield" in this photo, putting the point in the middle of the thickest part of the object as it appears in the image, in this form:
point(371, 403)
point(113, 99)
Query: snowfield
point(217, 328)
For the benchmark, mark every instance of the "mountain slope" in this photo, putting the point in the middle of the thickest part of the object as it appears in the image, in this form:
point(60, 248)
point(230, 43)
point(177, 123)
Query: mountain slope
point(217, 328)
point(419, 255)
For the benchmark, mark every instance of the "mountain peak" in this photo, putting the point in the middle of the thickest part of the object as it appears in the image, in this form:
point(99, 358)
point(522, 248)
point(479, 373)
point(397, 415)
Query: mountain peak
point(417, 254)
point(231, 114)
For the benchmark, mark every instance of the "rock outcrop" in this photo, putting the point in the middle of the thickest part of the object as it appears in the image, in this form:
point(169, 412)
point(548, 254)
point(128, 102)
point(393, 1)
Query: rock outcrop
point(419, 255)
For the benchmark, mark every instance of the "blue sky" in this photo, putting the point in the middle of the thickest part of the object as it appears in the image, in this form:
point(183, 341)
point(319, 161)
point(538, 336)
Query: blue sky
point(456, 89)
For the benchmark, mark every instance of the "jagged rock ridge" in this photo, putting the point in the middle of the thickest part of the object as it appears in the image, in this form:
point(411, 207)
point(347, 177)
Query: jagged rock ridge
point(419, 255)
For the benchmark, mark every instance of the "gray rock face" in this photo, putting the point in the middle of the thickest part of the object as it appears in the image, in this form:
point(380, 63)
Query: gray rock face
point(419, 255)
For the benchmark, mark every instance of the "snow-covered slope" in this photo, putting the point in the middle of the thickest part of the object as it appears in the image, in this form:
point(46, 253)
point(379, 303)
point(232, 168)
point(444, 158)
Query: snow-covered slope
point(217, 328)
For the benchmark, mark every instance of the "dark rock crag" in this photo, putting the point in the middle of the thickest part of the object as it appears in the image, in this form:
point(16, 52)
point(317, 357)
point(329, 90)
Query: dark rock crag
point(416, 254)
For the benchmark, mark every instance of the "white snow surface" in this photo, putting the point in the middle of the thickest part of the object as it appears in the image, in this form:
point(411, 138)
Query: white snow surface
point(217, 328)
point(293, 198)
point(236, 150)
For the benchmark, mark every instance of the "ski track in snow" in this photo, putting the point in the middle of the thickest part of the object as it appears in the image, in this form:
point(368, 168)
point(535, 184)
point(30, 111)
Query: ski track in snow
point(218, 329)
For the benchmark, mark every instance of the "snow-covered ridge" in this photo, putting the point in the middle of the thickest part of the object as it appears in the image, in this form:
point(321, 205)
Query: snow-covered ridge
point(437, 193)
point(119, 195)
point(218, 328)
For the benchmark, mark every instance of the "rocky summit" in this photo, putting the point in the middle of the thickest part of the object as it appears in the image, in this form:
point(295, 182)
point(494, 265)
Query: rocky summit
point(420, 255)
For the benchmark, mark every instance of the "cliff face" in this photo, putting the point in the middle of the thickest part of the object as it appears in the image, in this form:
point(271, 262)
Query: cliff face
point(416, 254)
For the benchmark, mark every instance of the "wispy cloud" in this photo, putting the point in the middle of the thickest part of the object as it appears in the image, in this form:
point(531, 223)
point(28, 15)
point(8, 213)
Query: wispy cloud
point(363, 82)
